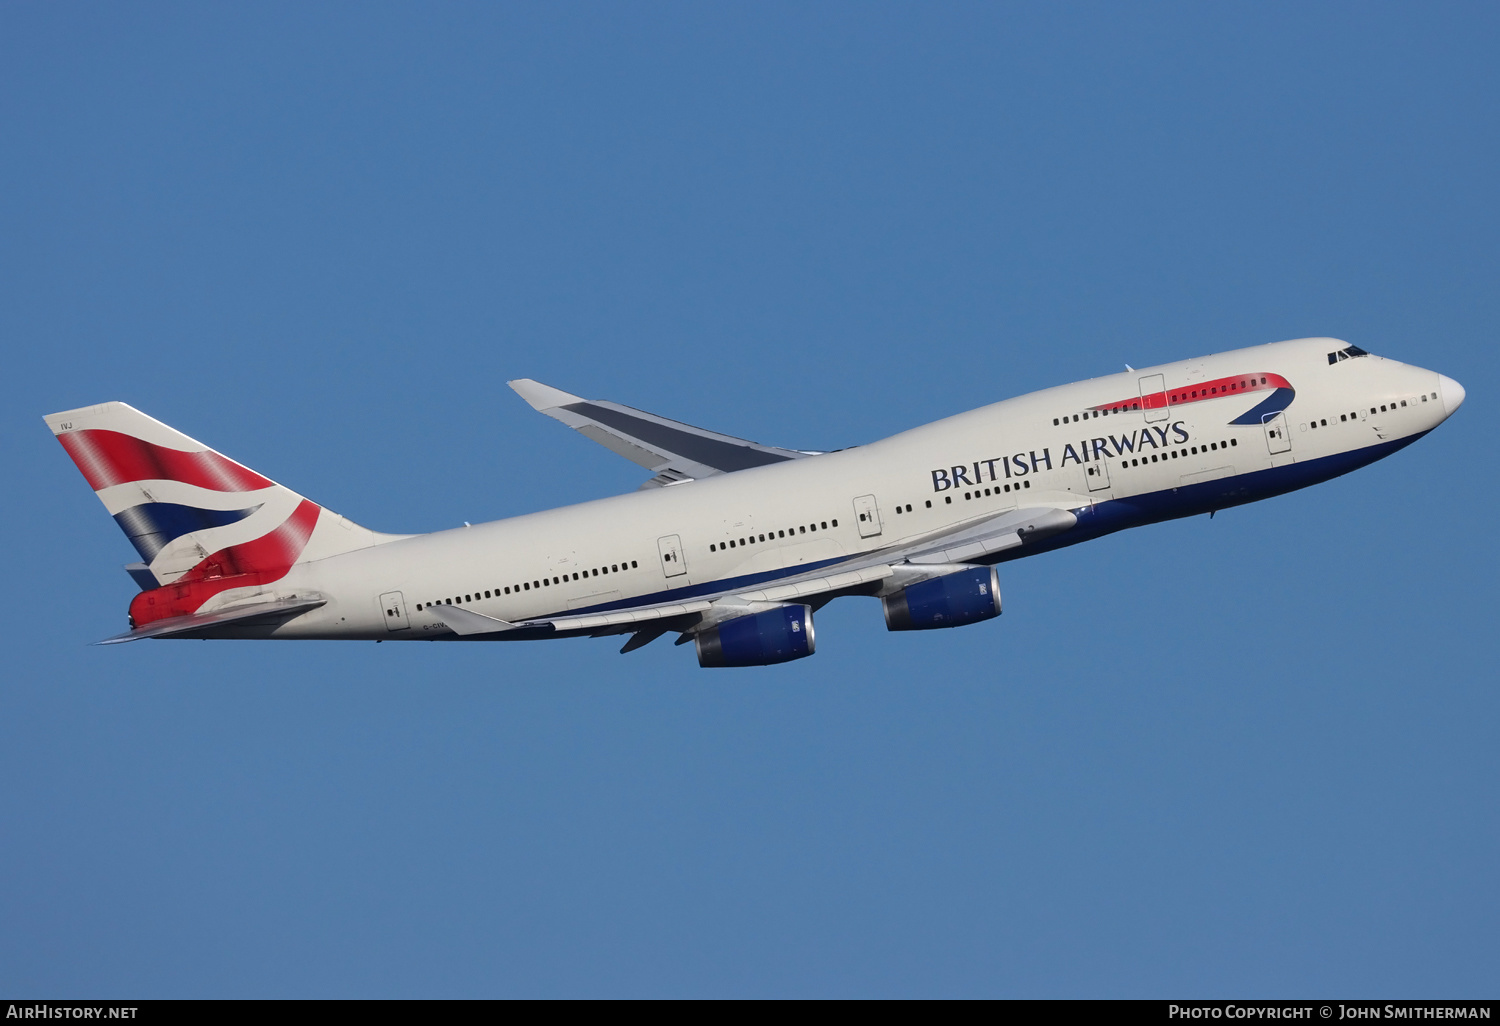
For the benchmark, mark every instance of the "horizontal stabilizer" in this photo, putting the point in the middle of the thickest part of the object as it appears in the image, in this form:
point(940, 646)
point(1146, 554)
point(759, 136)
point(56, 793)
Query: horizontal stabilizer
point(673, 451)
point(141, 574)
point(273, 612)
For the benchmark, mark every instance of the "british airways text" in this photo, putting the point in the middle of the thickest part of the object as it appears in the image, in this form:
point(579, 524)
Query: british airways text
point(1022, 463)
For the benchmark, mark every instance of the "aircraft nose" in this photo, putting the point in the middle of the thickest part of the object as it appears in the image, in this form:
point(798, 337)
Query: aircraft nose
point(1452, 393)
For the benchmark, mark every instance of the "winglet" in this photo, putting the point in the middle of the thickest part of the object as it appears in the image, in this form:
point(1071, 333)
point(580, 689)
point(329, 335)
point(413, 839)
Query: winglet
point(542, 397)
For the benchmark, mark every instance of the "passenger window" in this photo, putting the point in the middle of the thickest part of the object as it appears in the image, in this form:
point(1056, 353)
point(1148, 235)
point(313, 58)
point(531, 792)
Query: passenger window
point(835, 523)
point(1026, 484)
point(929, 503)
point(1236, 441)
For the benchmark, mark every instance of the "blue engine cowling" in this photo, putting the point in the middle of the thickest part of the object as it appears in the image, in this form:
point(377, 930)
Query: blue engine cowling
point(775, 636)
point(948, 601)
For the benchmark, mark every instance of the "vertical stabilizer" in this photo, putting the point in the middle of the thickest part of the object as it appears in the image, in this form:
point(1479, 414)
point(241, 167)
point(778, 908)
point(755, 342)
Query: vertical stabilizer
point(196, 517)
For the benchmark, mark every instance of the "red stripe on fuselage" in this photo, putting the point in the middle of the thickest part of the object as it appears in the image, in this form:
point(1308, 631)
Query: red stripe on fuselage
point(110, 458)
point(253, 563)
point(1218, 388)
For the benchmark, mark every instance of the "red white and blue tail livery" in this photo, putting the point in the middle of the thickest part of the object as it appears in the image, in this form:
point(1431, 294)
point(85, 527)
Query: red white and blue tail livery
point(733, 544)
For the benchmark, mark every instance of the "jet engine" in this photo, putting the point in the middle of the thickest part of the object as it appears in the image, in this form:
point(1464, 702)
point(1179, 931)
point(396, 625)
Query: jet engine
point(775, 636)
point(951, 600)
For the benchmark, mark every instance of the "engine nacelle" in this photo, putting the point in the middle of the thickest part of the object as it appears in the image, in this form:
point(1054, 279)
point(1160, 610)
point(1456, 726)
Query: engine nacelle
point(948, 601)
point(775, 636)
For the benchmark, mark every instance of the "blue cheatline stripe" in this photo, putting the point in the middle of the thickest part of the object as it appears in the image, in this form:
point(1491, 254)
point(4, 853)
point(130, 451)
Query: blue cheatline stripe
point(151, 526)
point(1191, 500)
point(706, 588)
point(1273, 403)
point(1093, 522)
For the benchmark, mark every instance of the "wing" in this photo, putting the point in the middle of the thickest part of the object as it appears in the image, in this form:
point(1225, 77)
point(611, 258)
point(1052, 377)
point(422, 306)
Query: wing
point(673, 451)
point(934, 555)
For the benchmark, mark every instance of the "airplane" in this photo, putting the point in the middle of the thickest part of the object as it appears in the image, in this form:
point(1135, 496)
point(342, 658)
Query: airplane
point(733, 545)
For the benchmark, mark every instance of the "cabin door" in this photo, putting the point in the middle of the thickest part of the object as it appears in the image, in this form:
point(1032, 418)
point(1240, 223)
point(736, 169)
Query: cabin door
point(1097, 475)
point(394, 608)
point(1278, 439)
point(867, 516)
point(670, 549)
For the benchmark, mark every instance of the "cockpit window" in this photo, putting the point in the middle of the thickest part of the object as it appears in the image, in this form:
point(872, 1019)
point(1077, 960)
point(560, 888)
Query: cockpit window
point(1346, 354)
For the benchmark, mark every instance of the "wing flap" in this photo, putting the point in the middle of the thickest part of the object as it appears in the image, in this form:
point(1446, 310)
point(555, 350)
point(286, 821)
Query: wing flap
point(817, 585)
point(643, 614)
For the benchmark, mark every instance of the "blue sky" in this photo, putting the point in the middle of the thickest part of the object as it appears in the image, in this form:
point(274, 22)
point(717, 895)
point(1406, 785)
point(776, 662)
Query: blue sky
point(1252, 756)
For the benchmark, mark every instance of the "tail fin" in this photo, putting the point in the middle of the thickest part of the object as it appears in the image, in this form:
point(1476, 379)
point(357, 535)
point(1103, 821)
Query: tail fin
point(196, 517)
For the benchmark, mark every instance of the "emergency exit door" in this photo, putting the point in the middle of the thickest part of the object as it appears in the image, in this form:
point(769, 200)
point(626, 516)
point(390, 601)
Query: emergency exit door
point(867, 516)
point(394, 608)
point(1278, 439)
point(670, 549)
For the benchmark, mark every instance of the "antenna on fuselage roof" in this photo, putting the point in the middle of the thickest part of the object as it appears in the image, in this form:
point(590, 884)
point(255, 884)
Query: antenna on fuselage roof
point(1130, 368)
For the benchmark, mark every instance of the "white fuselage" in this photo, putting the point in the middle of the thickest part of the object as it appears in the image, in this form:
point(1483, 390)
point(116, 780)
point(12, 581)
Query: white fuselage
point(1077, 447)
